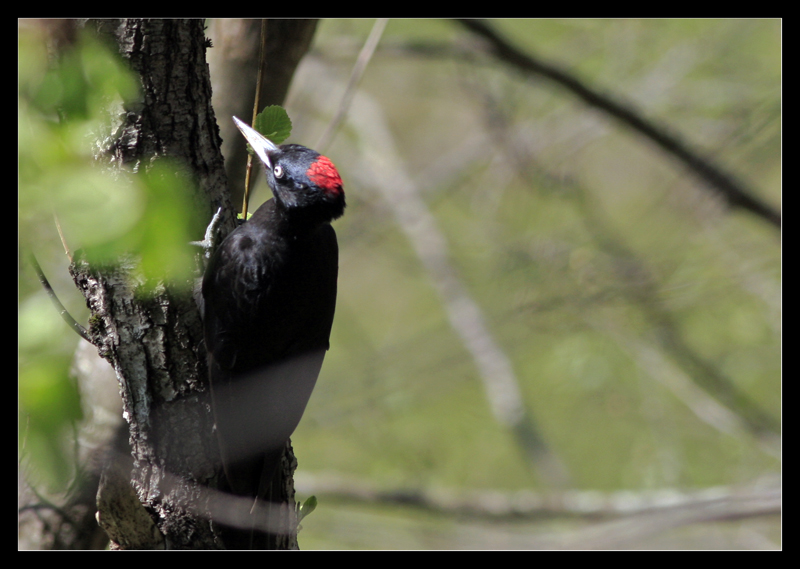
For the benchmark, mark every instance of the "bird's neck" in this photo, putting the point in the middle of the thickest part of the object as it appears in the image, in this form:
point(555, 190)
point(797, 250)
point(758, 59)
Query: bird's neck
point(290, 223)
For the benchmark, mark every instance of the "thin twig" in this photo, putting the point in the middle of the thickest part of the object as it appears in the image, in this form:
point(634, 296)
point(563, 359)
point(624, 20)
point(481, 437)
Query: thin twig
point(61, 236)
point(355, 76)
point(65, 315)
point(255, 114)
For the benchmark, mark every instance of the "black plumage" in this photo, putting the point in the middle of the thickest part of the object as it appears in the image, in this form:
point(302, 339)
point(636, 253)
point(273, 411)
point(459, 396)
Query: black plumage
point(269, 295)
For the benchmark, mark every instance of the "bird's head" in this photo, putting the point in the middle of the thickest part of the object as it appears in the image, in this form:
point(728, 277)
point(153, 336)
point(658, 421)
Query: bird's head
point(301, 179)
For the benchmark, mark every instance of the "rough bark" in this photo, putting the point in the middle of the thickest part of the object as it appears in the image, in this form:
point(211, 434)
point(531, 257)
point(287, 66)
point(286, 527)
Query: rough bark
point(154, 344)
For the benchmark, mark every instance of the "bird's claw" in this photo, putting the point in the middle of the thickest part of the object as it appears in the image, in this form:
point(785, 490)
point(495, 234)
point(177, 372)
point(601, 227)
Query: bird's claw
point(209, 241)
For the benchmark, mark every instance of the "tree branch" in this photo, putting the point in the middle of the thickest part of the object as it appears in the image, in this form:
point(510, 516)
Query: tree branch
point(65, 315)
point(735, 193)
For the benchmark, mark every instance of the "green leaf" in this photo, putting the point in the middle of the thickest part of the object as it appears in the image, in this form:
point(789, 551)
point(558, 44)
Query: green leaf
point(308, 506)
point(274, 123)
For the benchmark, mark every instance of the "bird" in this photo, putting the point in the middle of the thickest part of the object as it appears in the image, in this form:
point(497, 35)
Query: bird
point(269, 295)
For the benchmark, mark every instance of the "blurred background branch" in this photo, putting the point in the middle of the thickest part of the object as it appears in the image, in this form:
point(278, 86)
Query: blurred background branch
point(733, 191)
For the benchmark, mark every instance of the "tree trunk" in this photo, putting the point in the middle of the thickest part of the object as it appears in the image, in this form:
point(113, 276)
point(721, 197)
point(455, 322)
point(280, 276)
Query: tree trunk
point(164, 495)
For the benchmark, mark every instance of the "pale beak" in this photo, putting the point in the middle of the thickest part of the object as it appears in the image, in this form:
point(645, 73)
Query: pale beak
point(261, 145)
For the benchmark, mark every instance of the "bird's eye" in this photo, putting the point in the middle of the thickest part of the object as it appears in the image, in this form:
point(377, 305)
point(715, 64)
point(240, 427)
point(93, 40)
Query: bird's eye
point(278, 171)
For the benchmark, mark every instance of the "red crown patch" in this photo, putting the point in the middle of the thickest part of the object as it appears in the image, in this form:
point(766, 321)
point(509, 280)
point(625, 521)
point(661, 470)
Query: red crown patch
point(323, 173)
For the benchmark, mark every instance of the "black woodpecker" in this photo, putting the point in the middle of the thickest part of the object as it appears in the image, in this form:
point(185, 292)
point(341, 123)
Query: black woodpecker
point(269, 294)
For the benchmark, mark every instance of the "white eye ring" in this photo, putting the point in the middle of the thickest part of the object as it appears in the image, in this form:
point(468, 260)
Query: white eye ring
point(278, 171)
